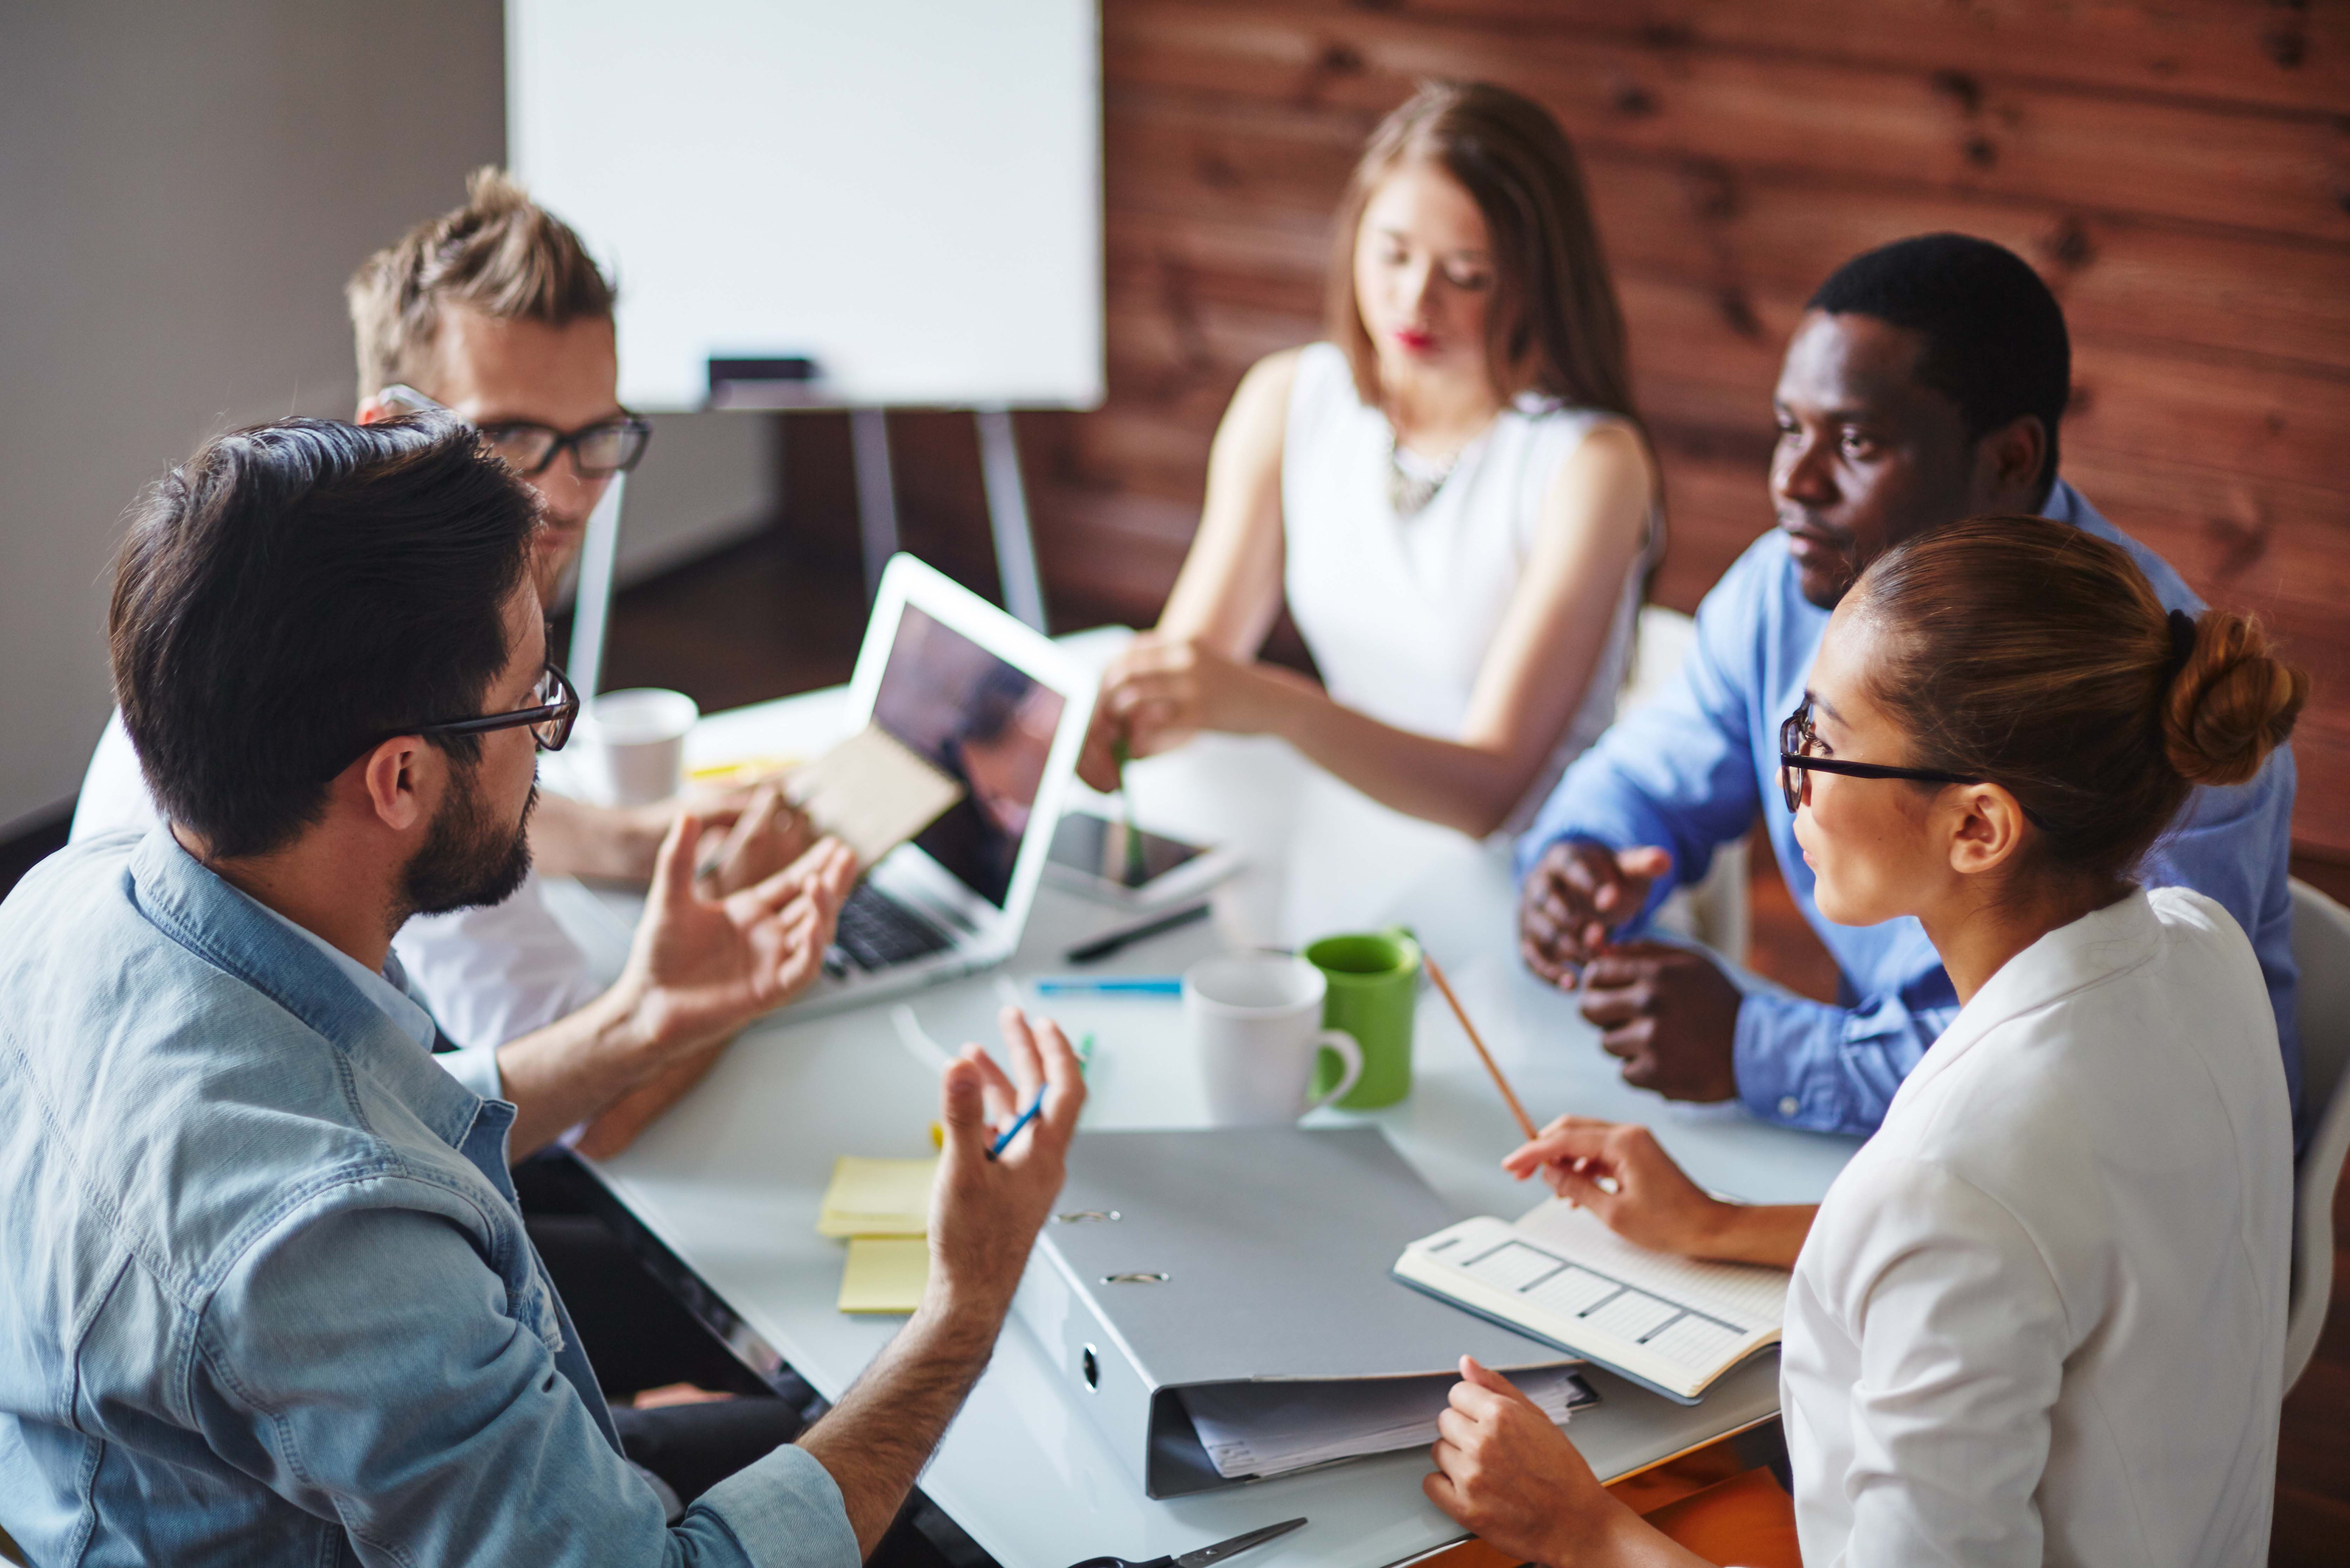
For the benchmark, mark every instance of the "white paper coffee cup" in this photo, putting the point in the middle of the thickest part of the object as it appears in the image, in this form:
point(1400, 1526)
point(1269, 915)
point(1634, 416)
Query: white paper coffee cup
point(634, 744)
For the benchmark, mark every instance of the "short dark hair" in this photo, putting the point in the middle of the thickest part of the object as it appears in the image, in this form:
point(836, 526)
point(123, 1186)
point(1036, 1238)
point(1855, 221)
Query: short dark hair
point(1995, 338)
point(296, 590)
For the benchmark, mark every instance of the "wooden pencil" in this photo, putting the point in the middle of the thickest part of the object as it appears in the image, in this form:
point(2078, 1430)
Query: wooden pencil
point(1436, 973)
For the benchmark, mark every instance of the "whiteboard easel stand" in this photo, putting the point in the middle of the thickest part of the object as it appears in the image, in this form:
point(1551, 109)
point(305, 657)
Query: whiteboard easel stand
point(1008, 506)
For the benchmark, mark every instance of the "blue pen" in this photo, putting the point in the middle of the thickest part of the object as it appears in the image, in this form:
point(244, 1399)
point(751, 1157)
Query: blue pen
point(1014, 1130)
point(1112, 985)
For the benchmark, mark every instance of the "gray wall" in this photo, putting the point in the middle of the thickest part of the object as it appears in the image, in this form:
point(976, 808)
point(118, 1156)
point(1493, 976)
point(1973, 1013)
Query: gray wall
point(183, 189)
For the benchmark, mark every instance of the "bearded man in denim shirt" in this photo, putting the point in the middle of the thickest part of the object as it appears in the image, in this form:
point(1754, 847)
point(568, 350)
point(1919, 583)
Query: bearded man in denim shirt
point(269, 1298)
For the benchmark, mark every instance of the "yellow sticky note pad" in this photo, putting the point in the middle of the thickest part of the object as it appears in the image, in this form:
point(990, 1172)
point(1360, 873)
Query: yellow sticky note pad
point(885, 1274)
point(878, 1198)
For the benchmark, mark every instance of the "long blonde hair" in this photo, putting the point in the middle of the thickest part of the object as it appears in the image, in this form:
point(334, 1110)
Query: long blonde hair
point(1555, 327)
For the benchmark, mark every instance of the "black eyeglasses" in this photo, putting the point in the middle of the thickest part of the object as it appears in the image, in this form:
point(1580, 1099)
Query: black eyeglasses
point(1796, 741)
point(555, 708)
point(600, 450)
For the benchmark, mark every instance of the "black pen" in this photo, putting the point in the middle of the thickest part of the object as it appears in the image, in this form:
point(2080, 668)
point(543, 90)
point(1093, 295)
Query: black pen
point(1102, 946)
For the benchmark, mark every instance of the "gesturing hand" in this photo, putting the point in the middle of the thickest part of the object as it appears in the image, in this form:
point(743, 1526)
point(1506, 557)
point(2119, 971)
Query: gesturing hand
point(1646, 1198)
point(1504, 1471)
point(1669, 1015)
point(701, 968)
point(767, 836)
point(985, 1213)
point(1574, 896)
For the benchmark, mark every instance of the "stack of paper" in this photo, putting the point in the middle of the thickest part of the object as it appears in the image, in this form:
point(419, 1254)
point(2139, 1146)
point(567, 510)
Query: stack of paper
point(1268, 1429)
point(883, 1208)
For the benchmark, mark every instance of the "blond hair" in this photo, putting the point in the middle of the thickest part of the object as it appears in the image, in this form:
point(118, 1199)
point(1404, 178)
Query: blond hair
point(1555, 327)
point(500, 254)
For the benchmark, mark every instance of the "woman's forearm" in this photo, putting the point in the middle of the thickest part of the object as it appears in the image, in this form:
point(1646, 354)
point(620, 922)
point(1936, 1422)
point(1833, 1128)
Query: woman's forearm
point(1771, 1234)
point(1458, 783)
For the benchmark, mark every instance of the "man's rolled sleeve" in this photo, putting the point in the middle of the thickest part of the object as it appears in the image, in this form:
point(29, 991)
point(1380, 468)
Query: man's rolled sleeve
point(785, 1509)
point(1808, 1064)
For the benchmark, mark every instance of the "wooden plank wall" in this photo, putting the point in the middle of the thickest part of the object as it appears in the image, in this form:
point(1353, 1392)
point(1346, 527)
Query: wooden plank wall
point(2179, 170)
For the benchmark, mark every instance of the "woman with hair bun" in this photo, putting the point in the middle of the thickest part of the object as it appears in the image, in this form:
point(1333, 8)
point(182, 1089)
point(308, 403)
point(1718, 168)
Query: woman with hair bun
point(1452, 495)
point(2041, 1314)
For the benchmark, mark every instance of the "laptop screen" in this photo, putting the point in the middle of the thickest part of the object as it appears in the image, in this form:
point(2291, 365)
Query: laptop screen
point(986, 723)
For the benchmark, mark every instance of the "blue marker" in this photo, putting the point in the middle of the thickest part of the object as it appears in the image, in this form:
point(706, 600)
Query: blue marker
point(1014, 1130)
point(1112, 985)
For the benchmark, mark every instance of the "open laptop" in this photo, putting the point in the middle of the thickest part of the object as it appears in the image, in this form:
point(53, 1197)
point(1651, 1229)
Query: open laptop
point(1001, 711)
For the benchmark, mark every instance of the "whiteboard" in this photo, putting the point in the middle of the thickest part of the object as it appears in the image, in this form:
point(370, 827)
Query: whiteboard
point(907, 192)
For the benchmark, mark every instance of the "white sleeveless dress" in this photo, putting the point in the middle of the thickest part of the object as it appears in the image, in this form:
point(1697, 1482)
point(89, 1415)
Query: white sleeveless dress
point(1399, 611)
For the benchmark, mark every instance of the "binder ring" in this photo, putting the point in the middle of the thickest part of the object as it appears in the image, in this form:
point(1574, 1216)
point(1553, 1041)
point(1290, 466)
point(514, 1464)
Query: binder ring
point(1075, 1215)
point(1151, 1277)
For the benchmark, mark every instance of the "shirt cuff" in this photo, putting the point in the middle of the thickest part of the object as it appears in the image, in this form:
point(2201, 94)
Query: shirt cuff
point(1769, 1055)
point(476, 1067)
point(785, 1510)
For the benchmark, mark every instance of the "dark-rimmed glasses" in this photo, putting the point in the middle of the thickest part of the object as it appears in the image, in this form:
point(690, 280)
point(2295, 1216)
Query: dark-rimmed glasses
point(1796, 741)
point(598, 450)
point(554, 709)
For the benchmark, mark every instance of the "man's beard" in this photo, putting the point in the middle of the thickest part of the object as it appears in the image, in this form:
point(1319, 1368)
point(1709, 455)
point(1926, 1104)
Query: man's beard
point(468, 858)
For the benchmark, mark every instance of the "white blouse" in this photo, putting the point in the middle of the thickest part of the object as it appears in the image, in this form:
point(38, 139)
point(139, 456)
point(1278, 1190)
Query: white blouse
point(1400, 611)
point(2041, 1314)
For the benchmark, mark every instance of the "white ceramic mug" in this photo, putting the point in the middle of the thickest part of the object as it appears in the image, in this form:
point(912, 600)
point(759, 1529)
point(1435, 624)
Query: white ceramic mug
point(635, 750)
point(1255, 1022)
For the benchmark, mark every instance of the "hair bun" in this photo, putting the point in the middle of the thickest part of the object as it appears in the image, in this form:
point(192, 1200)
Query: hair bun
point(2232, 702)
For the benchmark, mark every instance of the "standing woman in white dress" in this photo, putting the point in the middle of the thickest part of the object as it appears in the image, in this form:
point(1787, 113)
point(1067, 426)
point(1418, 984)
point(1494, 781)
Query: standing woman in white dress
point(2040, 1317)
point(1453, 495)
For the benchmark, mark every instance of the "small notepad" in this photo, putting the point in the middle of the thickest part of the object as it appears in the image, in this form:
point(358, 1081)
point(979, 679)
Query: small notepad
point(873, 792)
point(885, 1274)
point(1559, 1274)
point(878, 1198)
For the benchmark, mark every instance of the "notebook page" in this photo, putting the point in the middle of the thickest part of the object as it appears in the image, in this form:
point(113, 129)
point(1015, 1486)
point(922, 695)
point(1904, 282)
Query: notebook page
point(1748, 1296)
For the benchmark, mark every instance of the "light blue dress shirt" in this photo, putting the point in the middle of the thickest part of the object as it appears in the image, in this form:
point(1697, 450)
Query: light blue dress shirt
point(1689, 771)
point(267, 1298)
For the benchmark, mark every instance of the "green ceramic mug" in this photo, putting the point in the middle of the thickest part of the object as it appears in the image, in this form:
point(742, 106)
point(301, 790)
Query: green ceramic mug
point(1374, 992)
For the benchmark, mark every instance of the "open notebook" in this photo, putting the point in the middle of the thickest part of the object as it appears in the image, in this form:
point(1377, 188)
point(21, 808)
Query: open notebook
point(1559, 1274)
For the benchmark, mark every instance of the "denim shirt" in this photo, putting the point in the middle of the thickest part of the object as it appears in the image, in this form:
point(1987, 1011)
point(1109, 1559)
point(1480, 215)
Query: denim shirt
point(268, 1298)
point(1688, 772)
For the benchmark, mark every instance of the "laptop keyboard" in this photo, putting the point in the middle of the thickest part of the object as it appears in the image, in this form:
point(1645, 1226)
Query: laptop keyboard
point(877, 932)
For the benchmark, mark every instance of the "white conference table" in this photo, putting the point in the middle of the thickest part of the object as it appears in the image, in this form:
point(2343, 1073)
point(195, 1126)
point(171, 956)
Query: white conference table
point(730, 1179)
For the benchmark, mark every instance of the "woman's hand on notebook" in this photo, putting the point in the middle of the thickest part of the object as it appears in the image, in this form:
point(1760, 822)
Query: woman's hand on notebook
point(1619, 1172)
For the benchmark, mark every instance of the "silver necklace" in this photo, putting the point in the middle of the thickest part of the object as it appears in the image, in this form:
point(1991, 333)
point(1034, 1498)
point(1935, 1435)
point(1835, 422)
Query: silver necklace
point(1413, 483)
